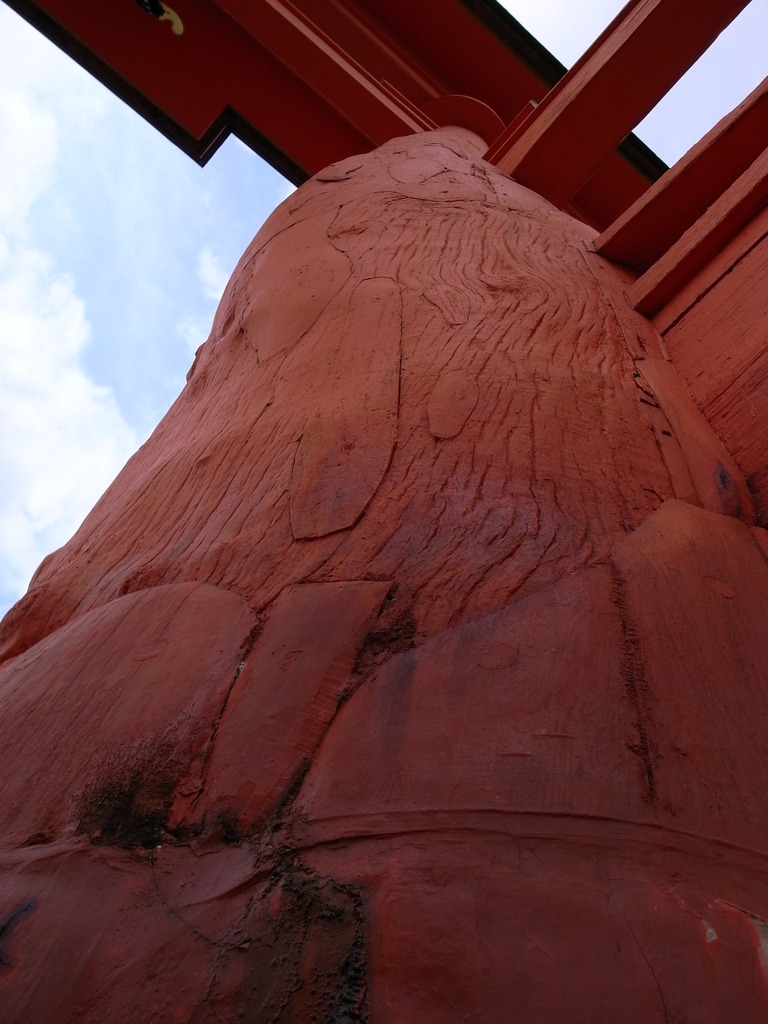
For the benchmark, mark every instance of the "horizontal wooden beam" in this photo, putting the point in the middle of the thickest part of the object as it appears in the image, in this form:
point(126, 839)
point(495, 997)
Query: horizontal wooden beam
point(717, 226)
point(331, 72)
point(631, 66)
point(657, 219)
point(308, 82)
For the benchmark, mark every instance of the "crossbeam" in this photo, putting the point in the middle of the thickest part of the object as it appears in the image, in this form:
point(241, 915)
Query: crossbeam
point(619, 80)
point(309, 82)
point(672, 205)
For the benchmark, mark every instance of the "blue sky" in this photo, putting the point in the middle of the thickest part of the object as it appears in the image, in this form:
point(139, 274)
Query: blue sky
point(115, 247)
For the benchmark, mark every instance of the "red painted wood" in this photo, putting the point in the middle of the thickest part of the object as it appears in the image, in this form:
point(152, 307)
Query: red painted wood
point(723, 220)
point(343, 83)
point(310, 82)
point(133, 688)
point(620, 78)
point(716, 478)
point(719, 346)
point(673, 204)
point(466, 112)
point(268, 734)
point(722, 263)
point(414, 668)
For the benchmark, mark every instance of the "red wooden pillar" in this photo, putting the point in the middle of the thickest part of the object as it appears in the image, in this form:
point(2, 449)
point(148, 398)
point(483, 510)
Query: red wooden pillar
point(414, 668)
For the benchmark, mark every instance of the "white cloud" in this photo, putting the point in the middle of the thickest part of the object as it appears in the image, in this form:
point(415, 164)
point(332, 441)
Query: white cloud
point(27, 154)
point(40, 87)
point(193, 330)
point(212, 276)
point(62, 436)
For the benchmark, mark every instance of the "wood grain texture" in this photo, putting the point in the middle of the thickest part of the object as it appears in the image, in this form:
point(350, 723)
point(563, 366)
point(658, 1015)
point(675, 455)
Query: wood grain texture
point(347, 443)
point(414, 667)
point(283, 701)
point(114, 707)
point(717, 479)
point(621, 77)
point(704, 239)
point(564, 702)
point(719, 347)
point(644, 232)
point(251, 482)
point(452, 401)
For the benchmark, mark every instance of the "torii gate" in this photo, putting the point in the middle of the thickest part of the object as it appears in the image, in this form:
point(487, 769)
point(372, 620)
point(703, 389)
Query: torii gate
point(415, 667)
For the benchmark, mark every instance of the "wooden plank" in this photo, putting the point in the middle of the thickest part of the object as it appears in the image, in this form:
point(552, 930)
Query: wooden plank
point(283, 700)
point(620, 78)
point(291, 36)
point(329, 82)
point(652, 224)
point(198, 87)
point(683, 301)
point(719, 348)
point(703, 239)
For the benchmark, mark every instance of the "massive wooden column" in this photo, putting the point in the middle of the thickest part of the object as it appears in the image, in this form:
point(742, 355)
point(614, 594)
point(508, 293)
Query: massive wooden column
point(414, 668)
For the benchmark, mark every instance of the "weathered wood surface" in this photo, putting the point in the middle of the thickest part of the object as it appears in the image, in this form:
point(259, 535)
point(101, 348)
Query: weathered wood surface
point(414, 668)
point(729, 213)
point(716, 333)
point(673, 204)
point(629, 68)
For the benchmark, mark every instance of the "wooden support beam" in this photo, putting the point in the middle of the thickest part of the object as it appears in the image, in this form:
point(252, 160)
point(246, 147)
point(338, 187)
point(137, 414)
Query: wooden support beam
point(659, 218)
point(308, 82)
point(620, 78)
point(293, 38)
point(704, 239)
